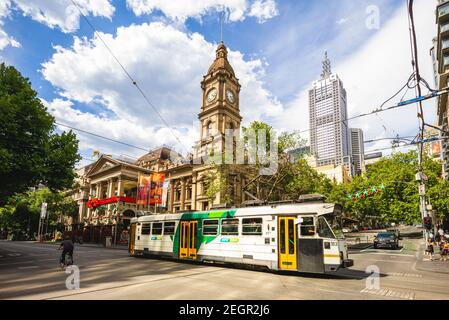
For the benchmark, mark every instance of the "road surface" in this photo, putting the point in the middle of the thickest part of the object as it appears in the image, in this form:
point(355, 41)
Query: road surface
point(30, 271)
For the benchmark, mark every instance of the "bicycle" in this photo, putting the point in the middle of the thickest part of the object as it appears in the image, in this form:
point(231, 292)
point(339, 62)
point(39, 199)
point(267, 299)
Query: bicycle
point(68, 261)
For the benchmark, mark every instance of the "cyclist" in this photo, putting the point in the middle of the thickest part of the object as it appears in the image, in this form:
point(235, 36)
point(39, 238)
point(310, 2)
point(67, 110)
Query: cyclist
point(67, 248)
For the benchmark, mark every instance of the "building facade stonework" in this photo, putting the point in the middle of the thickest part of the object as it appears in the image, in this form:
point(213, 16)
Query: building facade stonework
point(111, 184)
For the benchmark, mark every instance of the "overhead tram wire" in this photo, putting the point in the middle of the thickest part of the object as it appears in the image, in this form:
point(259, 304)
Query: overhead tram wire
point(396, 106)
point(103, 137)
point(134, 82)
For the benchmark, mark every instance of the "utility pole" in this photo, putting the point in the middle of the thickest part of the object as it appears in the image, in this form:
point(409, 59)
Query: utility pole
point(420, 176)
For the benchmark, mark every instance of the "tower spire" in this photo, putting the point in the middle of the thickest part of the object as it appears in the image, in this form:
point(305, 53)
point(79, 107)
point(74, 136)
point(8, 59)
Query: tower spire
point(221, 25)
point(326, 66)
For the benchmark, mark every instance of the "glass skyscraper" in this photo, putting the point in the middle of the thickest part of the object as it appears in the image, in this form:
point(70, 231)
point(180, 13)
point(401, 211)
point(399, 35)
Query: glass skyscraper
point(329, 134)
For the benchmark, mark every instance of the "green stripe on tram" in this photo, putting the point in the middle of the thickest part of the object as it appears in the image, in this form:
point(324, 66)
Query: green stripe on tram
point(200, 216)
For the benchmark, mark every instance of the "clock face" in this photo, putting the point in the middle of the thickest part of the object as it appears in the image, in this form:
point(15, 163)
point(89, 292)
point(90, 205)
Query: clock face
point(212, 95)
point(230, 96)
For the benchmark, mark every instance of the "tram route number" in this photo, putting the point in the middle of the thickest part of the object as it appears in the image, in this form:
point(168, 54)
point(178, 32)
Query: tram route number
point(227, 310)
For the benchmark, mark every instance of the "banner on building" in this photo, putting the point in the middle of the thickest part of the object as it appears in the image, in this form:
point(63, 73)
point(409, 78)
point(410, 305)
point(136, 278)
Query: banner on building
point(165, 188)
point(436, 148)
point(156, 190)
point(143, 189)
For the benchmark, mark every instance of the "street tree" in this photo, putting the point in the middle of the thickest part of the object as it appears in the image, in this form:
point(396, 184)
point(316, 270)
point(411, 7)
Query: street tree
point(31, 153)
point(20, 216)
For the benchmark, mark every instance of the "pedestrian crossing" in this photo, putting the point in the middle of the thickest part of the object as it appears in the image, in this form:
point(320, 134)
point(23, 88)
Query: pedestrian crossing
point(408, 295)
point(405, 275)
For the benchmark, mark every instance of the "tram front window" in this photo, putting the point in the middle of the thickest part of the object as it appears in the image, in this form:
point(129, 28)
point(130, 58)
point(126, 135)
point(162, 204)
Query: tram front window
point(307, 227)
point(323, 229)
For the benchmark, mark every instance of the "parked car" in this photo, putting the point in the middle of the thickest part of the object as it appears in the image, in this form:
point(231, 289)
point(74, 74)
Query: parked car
point(386, 239)
point(395, 231)
point(345, 230)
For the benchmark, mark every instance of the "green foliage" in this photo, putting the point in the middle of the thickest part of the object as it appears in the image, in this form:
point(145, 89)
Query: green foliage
point(216, 183)
point(30, 153)
point(400, 199)
point(20, 216)
point(439, 197)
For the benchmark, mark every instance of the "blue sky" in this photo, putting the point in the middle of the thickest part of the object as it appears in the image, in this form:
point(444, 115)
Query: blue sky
point(276, 48)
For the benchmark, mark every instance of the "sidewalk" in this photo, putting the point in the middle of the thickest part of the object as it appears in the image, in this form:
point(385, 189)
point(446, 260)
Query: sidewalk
point(423, 262)
point(89, 245)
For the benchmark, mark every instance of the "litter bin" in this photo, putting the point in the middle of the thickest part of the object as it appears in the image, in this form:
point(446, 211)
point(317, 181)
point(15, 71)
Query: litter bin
point(108, 242)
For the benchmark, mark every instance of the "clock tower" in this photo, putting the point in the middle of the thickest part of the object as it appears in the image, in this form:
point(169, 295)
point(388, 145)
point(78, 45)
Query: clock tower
point(220, 109)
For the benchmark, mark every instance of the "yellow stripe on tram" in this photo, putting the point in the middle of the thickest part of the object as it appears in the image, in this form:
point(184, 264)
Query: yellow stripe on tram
point(332, 256)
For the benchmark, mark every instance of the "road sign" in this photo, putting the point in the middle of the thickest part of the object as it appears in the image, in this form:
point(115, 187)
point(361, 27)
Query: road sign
point(422, 190)
point(44, 210)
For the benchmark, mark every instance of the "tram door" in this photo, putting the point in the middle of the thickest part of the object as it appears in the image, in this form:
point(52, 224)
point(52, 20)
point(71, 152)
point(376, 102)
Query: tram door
point(132, 238)
point(187, 248)
point(287, 243)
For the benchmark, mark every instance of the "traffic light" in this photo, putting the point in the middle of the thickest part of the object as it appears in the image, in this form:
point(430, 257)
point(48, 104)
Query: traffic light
point(427, 222)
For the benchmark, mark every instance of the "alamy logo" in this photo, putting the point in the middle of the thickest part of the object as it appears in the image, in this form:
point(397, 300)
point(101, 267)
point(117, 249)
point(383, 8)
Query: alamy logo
point(373, 281)
point(73, 280)
point(372, 22)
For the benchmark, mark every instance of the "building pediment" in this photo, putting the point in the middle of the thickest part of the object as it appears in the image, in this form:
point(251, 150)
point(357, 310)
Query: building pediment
point(103, 164)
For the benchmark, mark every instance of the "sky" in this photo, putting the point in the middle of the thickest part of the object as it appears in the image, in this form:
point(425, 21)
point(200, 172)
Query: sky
point(275, 46)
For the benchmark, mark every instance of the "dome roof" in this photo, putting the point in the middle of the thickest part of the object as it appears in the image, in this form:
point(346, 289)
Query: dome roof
point(221, 60)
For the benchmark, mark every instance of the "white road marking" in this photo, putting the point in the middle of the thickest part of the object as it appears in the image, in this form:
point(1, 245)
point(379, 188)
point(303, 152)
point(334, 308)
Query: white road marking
point(405, 275)
point(390, 293)
point(380, 250)
point(387, 253)
point(14, 254)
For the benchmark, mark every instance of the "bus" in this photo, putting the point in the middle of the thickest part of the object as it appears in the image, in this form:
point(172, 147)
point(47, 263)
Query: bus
point(293, 237)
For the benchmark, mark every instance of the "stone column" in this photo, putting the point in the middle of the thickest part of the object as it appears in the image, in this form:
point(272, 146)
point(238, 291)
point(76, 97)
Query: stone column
point(183, 193)
point(120, 187)
point(110, 193)
point(91, 192)
point(171, 199)
point(194, 191)
point(99, 190)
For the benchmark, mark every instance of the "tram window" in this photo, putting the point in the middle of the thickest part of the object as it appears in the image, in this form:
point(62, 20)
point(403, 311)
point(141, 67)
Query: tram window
point(291, 233)
point(146, 229)
point(323, 229)
point(169, 228)
point(230, 227)
point(157, 228)
point(307, 227)
point(210, 227)
point(282, 237)
point(252, 226)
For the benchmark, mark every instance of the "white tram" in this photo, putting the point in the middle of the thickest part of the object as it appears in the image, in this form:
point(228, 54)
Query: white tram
point(294, 237)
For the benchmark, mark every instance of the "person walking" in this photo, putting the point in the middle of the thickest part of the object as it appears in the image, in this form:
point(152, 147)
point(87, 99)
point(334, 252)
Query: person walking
point(430, 249)
point(445, 251)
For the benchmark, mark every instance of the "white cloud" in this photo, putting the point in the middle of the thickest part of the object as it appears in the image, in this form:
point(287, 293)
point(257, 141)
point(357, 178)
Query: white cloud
point(263, 10)
point(5, 39)
point(183, 9)
point(341, 21)
point(374, 73)
point(56, 13)
point(62, 13)
point(168, 65)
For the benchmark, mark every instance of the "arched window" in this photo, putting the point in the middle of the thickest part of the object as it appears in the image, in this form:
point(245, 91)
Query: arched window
point(209, 128)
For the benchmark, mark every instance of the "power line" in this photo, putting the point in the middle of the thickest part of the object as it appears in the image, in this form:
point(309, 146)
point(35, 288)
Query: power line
point(134, 82)
point(396, 106)
point(102, 137)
